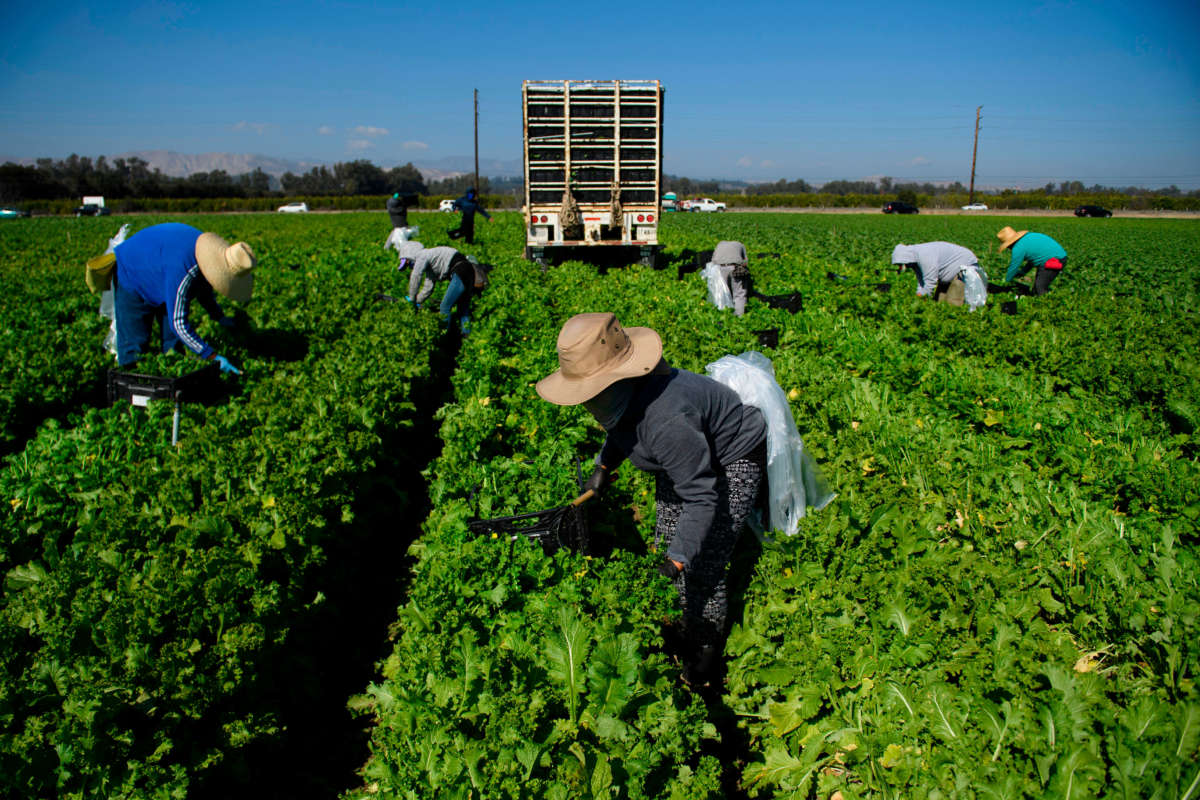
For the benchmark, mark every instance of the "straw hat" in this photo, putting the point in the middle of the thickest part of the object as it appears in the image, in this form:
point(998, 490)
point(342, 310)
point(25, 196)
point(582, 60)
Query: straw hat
point(594, 352)
point(229, 268)
point(1008, 236)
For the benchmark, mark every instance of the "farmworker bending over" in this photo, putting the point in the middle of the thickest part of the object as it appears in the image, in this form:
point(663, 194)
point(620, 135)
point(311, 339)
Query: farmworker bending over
point(706, 450)
point(444, 263)
point(939, 267)
point(397, 208)
point(468, 204)
point(735, 269)
point(159, 272)
point(1032, 250)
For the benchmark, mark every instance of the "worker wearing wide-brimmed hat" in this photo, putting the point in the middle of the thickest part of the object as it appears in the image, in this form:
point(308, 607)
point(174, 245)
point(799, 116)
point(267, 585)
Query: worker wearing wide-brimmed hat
point(1032, 250)
point(706, 449)
point(159, 271)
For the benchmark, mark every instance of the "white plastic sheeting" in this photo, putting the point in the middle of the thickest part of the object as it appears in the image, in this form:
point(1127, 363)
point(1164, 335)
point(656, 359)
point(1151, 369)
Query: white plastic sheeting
point(794, 481)
point(400, 235)
point(975, 294)
point(718, 288)
point(106, 297)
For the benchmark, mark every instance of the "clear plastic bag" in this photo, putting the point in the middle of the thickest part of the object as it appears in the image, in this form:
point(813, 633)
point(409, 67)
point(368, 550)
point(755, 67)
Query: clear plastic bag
point(106, 297)
point(794, 481)
point(718, 288)
point(400, 235)
point(975, 294)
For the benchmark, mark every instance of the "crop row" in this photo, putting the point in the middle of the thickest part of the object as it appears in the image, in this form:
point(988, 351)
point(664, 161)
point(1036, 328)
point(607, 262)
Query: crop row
point(1001, 603)
point(157, 598)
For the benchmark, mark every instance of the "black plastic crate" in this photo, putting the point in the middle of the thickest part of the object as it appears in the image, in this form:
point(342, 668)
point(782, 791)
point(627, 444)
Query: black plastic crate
point(768, 337)
point(555, 528)
point(789, 302)
point(139, 389)
point(695, 263)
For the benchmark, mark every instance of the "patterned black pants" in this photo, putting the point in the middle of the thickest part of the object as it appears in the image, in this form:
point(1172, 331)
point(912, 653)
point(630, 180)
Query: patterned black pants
point(703, 593)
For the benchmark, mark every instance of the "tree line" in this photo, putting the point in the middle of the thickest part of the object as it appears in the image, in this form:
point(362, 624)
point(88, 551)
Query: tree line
point(134, 178)
point(889, 187)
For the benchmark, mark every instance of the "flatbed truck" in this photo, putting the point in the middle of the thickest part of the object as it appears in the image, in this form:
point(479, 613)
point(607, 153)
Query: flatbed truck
point(593, 168)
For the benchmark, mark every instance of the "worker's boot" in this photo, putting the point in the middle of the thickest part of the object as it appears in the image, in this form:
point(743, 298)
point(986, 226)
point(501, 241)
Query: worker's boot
point(701, 667)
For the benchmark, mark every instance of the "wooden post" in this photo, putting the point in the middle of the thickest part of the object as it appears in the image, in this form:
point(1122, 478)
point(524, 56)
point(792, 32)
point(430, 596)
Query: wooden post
point(477, 189)
point(974, 150)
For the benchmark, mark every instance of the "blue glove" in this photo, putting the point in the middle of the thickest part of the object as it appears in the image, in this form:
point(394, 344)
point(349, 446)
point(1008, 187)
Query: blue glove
point(226, 322)
point(415, 304)
point(226, 366)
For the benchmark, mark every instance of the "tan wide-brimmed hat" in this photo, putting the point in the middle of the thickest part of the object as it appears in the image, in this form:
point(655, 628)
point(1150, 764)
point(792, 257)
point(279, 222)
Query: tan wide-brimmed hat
point(594, 352)
point(1008, 236)
point(229, 268)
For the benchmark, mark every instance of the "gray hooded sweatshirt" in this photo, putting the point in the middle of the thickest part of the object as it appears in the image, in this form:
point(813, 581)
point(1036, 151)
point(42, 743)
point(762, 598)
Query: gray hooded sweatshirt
point(937, 262)
point(437, 260)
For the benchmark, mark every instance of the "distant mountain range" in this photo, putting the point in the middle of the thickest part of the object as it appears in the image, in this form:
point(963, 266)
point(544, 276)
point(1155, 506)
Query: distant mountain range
point(180, 165)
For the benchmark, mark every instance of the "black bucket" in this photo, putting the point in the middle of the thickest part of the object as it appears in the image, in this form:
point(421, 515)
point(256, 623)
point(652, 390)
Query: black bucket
point(1009, 307)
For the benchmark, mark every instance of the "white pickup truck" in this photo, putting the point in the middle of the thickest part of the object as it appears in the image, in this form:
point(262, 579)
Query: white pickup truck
point(704, 204)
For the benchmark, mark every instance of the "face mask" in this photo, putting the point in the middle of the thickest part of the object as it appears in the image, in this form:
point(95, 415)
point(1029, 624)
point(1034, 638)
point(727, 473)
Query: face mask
point(608, 406)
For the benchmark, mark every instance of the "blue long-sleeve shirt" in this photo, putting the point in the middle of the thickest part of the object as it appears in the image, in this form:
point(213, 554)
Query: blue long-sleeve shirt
point(158, 264)
point(1032, 250)
point(468, 206)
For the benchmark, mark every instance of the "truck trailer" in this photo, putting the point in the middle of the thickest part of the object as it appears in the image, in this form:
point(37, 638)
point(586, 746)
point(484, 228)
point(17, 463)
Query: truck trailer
point(593, 169)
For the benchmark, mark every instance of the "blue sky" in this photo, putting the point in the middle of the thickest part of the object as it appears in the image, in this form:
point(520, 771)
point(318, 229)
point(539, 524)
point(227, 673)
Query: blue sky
point(1101, 92)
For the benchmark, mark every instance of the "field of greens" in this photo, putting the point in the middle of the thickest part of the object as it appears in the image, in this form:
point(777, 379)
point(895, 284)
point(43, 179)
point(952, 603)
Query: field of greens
point(1001, 603)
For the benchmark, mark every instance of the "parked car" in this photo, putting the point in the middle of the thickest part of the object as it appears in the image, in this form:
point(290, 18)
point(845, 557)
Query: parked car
point(446, 205)
point(898, 207)
point(1092, 211)
point(91, 210)
point(975, 207)
point(9, 212)
point(706, 204)
point(294, 208)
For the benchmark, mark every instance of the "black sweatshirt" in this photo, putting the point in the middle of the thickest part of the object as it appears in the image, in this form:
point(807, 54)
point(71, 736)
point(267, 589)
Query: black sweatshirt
point(686, 426)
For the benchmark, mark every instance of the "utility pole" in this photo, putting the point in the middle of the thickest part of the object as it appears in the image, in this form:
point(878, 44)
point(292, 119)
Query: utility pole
point(974, 150)
point(477, 141)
